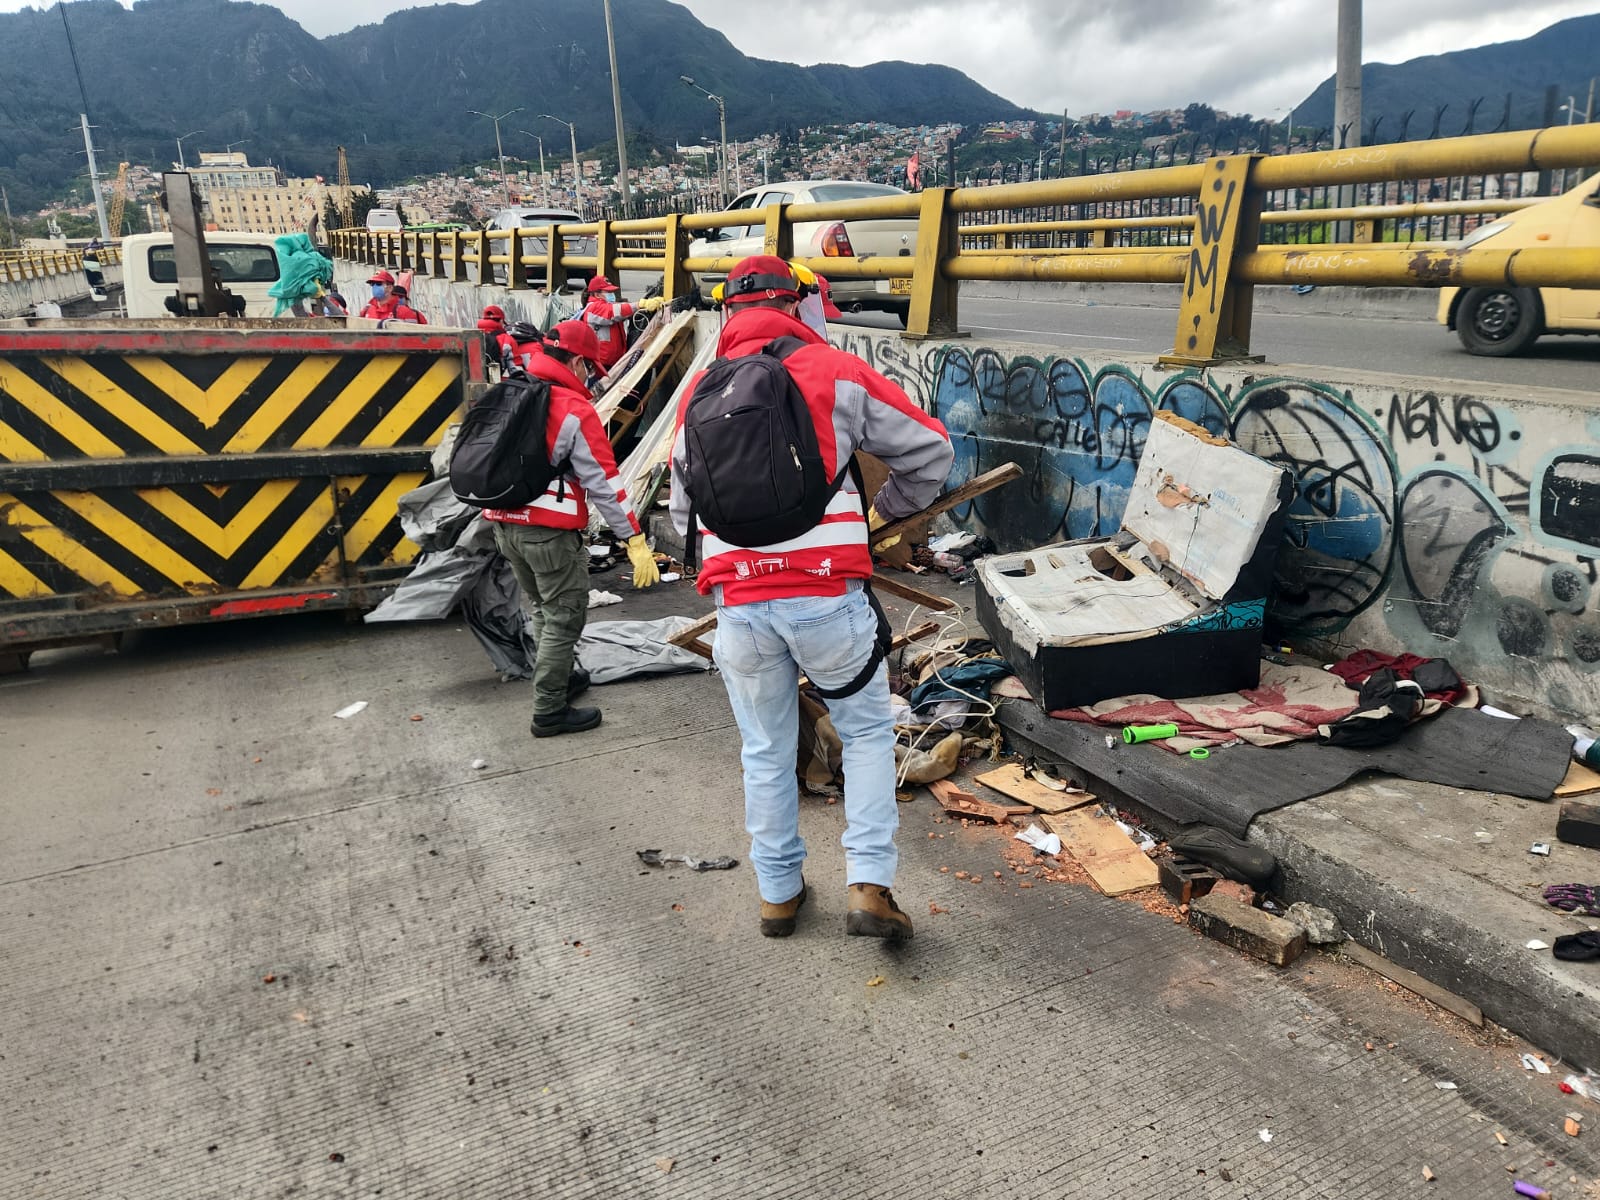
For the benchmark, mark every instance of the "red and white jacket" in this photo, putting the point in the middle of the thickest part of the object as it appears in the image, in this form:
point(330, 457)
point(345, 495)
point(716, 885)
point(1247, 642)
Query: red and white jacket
point(854, 408)
point(392, 309)
point(575, 433)
point(609, 322)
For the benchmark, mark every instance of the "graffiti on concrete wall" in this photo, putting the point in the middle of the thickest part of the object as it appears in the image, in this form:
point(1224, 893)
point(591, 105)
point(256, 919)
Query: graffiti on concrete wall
point(1442, 523)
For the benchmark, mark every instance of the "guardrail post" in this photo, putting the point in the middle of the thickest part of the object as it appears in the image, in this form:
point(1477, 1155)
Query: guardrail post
point(778, 233)
point(435, 256)
point(555, 275)
point(516, 271)
point(605, 251)
point(933, 297)
point(457, 269)
point(675, 281)
point(1214, 316)
point(1365, 231)
point(405, 255)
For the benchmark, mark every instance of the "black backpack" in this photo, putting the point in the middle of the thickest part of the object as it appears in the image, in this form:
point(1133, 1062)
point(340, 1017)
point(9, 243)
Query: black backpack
point(753, 470)
point(501, 458)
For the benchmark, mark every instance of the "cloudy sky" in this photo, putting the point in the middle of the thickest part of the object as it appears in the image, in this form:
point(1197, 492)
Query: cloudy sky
point(1257, 56)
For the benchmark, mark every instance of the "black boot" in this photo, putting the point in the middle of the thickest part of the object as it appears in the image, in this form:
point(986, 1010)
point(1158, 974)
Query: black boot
point(577, 683)
point(568, 720)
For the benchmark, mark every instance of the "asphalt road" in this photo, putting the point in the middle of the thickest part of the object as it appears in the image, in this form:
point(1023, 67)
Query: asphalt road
point(1407, 347)
point(251, 949)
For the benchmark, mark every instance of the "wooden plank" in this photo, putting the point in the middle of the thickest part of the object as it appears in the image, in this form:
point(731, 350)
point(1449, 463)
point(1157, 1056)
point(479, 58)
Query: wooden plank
point(1413, 982)
point(905, 591)
point(954, 498)
point(1010, 780)
point(689, 637)
point(1113, 860)
point(1580, 781)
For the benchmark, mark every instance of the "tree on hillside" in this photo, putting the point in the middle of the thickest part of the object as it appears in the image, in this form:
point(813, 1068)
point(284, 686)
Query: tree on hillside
point(1197, 118)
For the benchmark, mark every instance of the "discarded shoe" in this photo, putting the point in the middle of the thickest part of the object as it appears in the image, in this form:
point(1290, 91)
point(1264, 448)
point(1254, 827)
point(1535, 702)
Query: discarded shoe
point(1578, 947)
point(1229, 855)
point(777, 920)
point(577, 683)
point(873, 913)
point(568, 720)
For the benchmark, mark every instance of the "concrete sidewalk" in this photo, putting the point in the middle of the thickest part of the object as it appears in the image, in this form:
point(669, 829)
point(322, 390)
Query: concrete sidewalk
point(1438, 880)
point(251, 949)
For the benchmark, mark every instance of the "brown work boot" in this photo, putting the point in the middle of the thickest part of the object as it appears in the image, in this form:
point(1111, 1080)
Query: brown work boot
point(873, 913)
point(777, 920)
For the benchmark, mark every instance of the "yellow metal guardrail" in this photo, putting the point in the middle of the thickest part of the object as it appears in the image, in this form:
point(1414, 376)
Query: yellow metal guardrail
point(1219, 260)
point(18, 265)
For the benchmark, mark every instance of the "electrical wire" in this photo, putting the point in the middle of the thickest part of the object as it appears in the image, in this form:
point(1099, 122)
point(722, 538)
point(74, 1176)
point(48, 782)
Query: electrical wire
point(953, 621)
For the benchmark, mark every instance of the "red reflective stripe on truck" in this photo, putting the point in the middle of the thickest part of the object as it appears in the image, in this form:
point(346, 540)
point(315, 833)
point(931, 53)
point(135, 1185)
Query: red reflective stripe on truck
point(246, 608)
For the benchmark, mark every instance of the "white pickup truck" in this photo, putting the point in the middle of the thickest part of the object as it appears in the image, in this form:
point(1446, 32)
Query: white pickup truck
point(246, 264)
point(822, 239)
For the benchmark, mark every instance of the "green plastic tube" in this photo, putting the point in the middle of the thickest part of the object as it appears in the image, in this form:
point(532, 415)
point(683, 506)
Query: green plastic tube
point(1147, 733)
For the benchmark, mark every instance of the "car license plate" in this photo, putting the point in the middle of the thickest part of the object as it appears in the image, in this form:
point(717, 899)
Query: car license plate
point(899, 287)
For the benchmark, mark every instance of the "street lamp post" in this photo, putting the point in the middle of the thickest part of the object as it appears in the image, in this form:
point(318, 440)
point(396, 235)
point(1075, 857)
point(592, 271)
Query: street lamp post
point(616, 105)
point(544, 179)
point(722, 114)
point(577, 177)
point(240, 142)
point(504, 182)
point(184, 138)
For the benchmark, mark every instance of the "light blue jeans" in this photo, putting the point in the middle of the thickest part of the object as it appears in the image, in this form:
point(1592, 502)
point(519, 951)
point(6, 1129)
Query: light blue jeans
point(761, 649)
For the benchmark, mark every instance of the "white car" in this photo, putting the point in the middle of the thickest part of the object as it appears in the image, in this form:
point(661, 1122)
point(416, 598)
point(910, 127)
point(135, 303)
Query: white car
point(822, 239)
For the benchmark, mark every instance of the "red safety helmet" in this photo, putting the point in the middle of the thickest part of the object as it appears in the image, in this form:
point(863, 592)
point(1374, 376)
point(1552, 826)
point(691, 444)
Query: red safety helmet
point(760, 277)
point(575, 337)
point(830, 310)
point(381, 277)
point(601, 284)
point(494, 313)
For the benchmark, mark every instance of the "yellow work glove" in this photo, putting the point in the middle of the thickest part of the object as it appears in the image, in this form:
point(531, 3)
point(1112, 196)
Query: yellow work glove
point(650, 303)
point(645, 572)
point(875, 522)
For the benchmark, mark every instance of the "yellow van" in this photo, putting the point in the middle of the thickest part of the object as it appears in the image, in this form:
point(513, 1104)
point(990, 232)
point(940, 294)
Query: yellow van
point(1504, 320)
point(246, 263)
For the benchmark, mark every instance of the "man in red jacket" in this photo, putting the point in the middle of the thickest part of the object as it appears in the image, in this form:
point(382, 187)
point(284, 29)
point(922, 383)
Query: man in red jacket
point(545, 541)
point(800, 606)
point(608, 316)
point(385, 305)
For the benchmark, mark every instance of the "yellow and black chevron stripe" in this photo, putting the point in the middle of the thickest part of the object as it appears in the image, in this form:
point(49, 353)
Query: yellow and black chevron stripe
point(143, 475)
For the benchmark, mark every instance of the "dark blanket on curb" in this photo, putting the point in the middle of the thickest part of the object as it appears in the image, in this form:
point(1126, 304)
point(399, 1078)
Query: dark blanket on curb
point(1460, 748)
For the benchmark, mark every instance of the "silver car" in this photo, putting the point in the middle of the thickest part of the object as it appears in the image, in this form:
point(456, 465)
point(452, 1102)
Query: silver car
point(530, 216)
point(822, 239)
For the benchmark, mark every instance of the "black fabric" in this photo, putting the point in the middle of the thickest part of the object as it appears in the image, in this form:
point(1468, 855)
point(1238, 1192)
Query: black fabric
point(1233, 857)
point(1460, 748)
point(1388, 704)
point(501, 457)
point(1578, 947)
point(880, 650)
point(1435, 675)
point(752, 465)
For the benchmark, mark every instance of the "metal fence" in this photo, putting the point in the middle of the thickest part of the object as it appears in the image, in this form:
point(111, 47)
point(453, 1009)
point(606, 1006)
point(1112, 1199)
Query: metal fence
point(18, 265)
point(1210, 226)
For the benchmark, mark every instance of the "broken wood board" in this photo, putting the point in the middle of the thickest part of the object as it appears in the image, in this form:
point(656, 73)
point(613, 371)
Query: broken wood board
point(905, 591)
point(1412, 982)
point(660, 341)
point(1113, 860)
point(954, 800)
point(690, 637)
point(1580, 781)
point(1010, 780)
point(954, 498)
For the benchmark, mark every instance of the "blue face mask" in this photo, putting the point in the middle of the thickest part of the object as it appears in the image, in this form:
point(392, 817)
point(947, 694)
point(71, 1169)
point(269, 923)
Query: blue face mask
point(377, 291)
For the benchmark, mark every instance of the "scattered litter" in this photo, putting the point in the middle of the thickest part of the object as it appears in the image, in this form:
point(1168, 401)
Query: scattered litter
point(654, 858)
point(1138, 836)
point(1427, 1173)
point(1045, 843)
point(350, 710)
point(1490, 710)
point(952, 543)
point(670, 577)
point(665, 1165)
point(1265, 1135)
point(1111, 741)
point(1532, 1191)
point(1573, 1129)
point(1530, 1063)
point(1579, 1085)
point(416, 716)
point(1445, 1085)
point(599, 599)
point(1540, 848)
point(1536, 944)
point(1501, 1138)
point(479, 764)
point(1483, 836)
point(877, 981)
point(1050, 781)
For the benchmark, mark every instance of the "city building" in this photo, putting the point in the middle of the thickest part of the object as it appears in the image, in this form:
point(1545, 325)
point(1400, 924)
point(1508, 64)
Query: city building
point(238, 196)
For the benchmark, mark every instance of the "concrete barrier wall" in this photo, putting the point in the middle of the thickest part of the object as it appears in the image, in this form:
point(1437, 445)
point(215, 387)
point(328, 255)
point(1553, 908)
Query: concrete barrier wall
point(17, 297)
point(457, 304)
point(1448, 519)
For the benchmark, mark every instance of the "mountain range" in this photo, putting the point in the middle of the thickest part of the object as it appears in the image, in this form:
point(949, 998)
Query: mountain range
point(1566, 56)
point(397, 94)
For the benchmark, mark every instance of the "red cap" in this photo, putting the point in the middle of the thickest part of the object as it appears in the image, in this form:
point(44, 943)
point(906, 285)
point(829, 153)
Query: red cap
point(830, 310)
point(495, 313)
point(601, 284)
point(575, 337)
point(760, 277)
point(381, 277)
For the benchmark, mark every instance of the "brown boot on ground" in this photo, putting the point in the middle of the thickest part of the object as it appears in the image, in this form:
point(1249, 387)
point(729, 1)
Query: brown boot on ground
point(777, 920)
point(873, 913)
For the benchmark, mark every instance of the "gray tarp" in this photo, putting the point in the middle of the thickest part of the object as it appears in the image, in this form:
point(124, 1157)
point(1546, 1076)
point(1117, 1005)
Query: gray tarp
point(616, 650)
